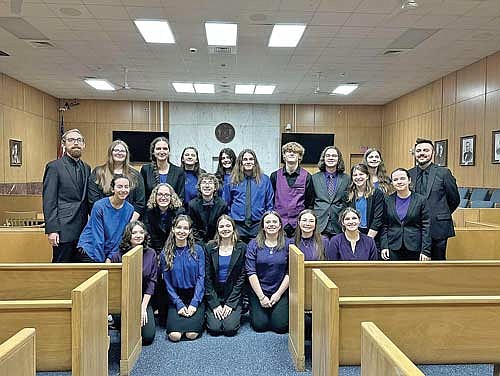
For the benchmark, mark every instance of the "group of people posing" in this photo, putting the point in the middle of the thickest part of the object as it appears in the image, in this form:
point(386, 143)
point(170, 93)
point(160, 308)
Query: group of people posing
point(209, 239)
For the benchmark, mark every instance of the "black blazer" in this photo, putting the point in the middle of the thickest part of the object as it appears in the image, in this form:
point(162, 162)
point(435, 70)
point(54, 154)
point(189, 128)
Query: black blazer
point(158, 233)
point(136, 196)
point(65, 205)
point(232, 293)
point(374, 213)
point(205, 221)
point(413, 231)
point(175, 178)
point(442, 199)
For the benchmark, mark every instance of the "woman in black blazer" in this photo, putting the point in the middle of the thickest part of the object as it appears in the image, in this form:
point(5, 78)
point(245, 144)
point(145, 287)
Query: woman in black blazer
point(406, 234)
point(224, 279)
point(160, 170)
point(368, 201)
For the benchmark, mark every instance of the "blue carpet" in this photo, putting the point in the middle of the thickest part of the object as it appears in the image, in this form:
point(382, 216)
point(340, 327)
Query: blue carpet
point(265, 354)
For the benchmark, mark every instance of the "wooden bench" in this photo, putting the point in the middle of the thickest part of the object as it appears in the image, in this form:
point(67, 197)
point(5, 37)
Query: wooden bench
point(474, 244)
point(17, 354)
point(20, 244)
point(55, 281)
point(381, 357)
point(367, 279)
point(433, 329)
point(486, 215)
point(72, 334)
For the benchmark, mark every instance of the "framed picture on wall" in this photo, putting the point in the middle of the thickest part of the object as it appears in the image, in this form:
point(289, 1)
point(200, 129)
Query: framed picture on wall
point(468, 150)
point(16, 152)
point(495, 147)
point(441, 153)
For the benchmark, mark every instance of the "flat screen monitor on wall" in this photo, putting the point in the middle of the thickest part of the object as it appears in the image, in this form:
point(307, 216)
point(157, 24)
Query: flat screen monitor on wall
point(138, 143)
point(314, 143)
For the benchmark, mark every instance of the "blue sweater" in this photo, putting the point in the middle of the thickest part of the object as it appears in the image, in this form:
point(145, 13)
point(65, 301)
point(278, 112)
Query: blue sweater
point(190, 190)
point(102, 235)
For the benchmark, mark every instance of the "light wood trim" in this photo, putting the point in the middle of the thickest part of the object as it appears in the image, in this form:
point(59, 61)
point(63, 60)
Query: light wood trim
point(90, 327)
point(17, 354)
point(417, 300)
point(474, 224)
point(131, 341)
point(381, 357)
point(296, 307)
point(325, 325)
point(35, 304)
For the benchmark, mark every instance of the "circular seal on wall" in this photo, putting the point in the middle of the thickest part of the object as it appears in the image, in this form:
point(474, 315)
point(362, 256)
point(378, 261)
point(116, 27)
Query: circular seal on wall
point(224, 132)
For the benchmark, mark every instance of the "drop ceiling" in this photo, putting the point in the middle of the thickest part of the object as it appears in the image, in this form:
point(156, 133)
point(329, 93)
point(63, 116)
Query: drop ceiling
point(344, 39)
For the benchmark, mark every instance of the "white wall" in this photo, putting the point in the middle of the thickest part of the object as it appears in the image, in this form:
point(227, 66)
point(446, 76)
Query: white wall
point(257, 127)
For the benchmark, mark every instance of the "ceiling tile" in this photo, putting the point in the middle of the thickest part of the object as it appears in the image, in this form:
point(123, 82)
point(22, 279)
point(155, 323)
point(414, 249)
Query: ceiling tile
point(364, 19)
point(146, 12)
point(78, 8)
point(108, 12)
point(339, 5)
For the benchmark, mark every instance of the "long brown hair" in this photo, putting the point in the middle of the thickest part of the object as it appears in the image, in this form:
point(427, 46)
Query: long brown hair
point(105, 173)
point(170, 245)
point(234, 238)
point(384, 182)
point(340, 163)
point(156, 174)
point(126, 243)
point(237, 176)
point(353, 188)
point(318, 241)
point(261, 235)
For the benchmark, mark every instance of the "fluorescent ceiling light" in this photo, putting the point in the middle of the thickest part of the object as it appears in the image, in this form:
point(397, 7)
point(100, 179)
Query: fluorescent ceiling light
point(204, 88)
point(155, 31)
point(99, 84)
point(286, 35)
point(183, 87)
point(264, 89)
point(345, 89)
point(244, 89)
point(221, 34)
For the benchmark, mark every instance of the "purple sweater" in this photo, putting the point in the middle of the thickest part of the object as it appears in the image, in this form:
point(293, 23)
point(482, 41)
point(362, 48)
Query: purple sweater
point(339, 248)
point(149, 269)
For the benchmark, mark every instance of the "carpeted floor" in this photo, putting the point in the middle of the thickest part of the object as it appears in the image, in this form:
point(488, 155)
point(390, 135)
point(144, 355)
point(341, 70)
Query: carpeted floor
point(248, 353)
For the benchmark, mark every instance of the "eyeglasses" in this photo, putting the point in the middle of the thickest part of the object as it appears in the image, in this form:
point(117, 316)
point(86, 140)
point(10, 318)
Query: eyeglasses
point(119, 151)
point(78, 140)
point(163, 194)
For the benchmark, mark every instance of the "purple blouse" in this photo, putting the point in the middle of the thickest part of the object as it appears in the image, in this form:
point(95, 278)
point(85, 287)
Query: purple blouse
point(149, 269)
point(270, 265)
point(308, 248)
point(402, 205)
point(339, 248)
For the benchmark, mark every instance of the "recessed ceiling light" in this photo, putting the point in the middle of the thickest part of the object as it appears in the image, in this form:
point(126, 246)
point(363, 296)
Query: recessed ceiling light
point(204, 88)
point(345, 89)
point(155, 31)
point(264, 89)
point(99, 84)
point(286, 35)
point(244, 89)
point(183, 87)
point(221, 34)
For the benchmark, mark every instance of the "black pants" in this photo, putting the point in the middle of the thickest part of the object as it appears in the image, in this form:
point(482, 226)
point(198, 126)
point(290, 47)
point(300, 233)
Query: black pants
point(65, 252)
point(403, 254)
point(438, 249)
point(274, 318)
point(148, 331)
point(82, 257)
point(228, 327)
point(246, 232)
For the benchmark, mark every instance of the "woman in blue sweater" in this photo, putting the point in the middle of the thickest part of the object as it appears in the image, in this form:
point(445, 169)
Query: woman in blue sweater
point(182, 264)
point(191, 165)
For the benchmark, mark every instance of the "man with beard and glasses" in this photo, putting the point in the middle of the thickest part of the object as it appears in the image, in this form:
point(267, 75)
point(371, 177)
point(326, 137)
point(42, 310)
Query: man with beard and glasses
point(64, 197)
point(439, 188)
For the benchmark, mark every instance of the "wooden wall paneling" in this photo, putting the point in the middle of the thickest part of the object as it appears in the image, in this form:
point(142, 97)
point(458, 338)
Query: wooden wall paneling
point(50, 139)
point(118, 112)
point(402, 104)
point(33, 100)
point(339, 117)
point(493, 72)
point(448, 132)
point(166, 117)
point(389, 113)
point(2, 89)
point(12, 119)
point(323, 116)
point(491, 123)
point(286, 115)
point(470, 121)
point(89, 132)
point(105, 132)
point(85, 112)
point(365, 116)
point(14, 93)
point(3, 142)
point(435, 131)
point(436, 95)
point(33, 151)
point(140, 112)
point(471, 80)
point(305, 116)
point(50, 107)
point(449, 89)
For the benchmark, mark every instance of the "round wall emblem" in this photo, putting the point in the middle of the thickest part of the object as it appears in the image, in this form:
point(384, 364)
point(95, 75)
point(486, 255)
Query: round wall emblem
point(224, 132)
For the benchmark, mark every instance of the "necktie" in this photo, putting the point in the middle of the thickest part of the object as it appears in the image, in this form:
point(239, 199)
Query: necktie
point(331, 187)
point(248, 202)
point(79, 176)
point(421, 183)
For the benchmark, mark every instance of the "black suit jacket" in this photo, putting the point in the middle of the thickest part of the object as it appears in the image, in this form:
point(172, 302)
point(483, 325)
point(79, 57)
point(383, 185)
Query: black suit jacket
point(374, 213)
point(175, 178)
point(65, 205)
point(205, 226)
point(442, 199)
point(231, 294)
point(158, 233)
point(413, 231)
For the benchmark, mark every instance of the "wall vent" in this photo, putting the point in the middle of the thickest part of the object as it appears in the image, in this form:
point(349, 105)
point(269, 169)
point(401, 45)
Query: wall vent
point(222, 50)
point(3, 53)
point(41, 44)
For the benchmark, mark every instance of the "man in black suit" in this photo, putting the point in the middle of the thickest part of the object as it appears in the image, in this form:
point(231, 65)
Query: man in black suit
point(64, 196)
point(439, 188)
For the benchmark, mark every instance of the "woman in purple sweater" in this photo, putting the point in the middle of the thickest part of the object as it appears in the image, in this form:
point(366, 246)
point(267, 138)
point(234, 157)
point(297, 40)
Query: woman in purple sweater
point(307, 237)
point(135, 234)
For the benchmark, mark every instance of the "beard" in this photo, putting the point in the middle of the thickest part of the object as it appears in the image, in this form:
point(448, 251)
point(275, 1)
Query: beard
point(423, 162)
point(75, 152)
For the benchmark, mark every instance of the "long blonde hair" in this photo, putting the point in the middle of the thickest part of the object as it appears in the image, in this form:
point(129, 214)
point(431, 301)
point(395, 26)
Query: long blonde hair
point(318, 241)
point(170, 245)
point(105, 173)
point(261, 235)
point(353, 188)
point(384, 182)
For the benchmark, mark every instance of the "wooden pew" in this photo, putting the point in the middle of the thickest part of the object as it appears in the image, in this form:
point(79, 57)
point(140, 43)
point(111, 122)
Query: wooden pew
point(433, 329)
point(474, 244)
point(383, 279)
point(19, 244)
point(55, 281)
point(381, 357)
point(17, 354)
point(72, 334)
point(486, 215)
point(475, 224)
